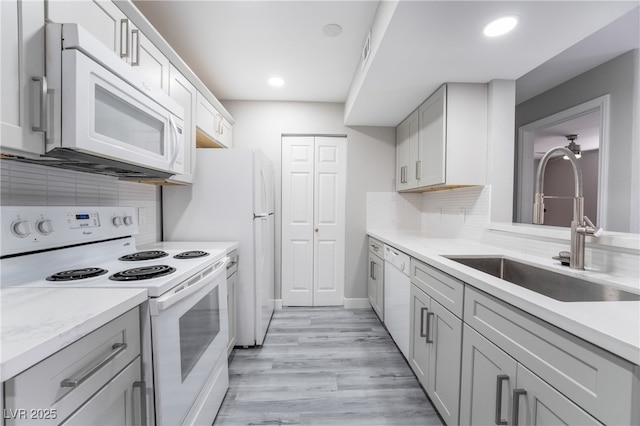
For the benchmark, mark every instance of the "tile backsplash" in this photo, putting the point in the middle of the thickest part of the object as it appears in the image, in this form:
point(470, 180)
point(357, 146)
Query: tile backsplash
point(465, 213)
point(35, 185)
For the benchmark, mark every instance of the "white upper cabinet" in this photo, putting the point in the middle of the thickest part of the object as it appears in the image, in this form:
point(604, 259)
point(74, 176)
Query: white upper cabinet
point(214, 130)
point(105, 21)
point(22, 115)
point(102, 19)
point(450, 146)
point(182, 91)
point(407, 153)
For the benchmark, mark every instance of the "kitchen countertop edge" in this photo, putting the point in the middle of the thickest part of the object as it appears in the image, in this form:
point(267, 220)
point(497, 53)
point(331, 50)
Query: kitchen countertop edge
point(27, 342)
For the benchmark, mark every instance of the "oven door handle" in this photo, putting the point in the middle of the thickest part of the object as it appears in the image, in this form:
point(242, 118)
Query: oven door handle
point(185, 290)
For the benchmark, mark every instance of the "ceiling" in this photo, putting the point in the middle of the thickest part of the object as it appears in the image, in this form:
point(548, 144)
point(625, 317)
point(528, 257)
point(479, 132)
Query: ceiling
point(235, 46)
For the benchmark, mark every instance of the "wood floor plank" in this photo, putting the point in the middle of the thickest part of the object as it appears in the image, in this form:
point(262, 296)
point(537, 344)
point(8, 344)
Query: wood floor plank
point(324, 366)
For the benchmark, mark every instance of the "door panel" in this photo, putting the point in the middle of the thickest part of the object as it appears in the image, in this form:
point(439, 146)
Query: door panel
point(329, 205)
point(297, 221)
point(313, 202)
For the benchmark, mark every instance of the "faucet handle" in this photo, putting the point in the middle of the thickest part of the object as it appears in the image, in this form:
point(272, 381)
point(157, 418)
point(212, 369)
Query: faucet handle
point(592, 229)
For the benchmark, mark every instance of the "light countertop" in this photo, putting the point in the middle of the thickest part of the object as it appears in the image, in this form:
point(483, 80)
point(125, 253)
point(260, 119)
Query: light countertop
point(38, 322)
point(614, 326)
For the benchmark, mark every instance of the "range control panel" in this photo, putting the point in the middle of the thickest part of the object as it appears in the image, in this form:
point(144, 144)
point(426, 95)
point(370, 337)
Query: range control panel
point(32, 228)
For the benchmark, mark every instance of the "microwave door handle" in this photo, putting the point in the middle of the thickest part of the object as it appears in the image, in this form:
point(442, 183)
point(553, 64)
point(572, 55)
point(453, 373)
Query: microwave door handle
point(174, 137)
point(166, 301)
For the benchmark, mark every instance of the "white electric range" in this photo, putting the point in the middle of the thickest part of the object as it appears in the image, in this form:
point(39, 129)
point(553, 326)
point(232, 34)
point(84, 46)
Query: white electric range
point(184, 322)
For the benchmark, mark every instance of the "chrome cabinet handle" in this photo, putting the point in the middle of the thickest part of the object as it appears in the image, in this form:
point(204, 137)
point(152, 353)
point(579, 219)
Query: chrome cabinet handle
point(429, 336)
point(418, 170)
point(136, 62)
point(403, 174)
point(124, 30)
point(42, 98)
point(372, 272)
point(117, 348)
point(516, 405)
point(500, 379)
point(422, 311)
point(143, 400)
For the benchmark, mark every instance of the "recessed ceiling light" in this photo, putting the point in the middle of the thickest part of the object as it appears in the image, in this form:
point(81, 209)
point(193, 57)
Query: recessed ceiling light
point(501, 26)
point(332, 30)
point(276, 81)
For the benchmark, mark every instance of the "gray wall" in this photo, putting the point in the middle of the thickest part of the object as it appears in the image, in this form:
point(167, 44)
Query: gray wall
point(370, 165)
point(619, 78)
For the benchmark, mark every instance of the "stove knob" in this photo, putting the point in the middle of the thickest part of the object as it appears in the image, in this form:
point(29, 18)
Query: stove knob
point(128, 220)
point(21, 228)
point(117, 221)
point(44, 226)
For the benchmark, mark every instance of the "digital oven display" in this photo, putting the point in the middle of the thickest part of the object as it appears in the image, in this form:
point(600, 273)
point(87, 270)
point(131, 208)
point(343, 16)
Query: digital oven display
point(83, 220)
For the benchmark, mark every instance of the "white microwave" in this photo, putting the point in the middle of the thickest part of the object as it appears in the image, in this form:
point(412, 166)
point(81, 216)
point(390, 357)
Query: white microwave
point(106, 117)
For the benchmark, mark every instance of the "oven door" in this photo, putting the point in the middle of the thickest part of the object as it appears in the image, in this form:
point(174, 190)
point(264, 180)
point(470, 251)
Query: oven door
point(189, 330)
point(105, 116)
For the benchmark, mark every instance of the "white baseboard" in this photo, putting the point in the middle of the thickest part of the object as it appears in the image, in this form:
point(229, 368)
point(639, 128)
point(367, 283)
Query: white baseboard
point(360, 303)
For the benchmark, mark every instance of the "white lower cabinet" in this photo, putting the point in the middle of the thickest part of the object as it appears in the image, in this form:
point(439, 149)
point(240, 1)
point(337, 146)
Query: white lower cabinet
point(435, 351)
point(96, 380)
point(376, 277)
point(487, 383)
point(518, 369)
point(496, 389)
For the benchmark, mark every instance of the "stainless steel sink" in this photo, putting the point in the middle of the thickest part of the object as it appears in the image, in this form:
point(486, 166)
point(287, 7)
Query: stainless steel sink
point(552, 284)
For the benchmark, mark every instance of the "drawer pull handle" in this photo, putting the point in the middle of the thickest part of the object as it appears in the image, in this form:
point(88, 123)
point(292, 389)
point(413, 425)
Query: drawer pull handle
point(501, 378)
point(117, 348)
point(516, 405)
point(422, 311)
point(429, 336)
point(143, 400)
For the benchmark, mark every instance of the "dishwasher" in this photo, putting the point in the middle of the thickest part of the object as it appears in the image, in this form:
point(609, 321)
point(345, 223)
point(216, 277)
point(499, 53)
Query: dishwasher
point(397, 297)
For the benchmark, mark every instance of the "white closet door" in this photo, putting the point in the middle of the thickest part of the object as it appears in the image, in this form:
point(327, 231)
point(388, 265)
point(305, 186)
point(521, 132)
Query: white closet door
point(297, 221)
point(313, 216)
point(329, 209)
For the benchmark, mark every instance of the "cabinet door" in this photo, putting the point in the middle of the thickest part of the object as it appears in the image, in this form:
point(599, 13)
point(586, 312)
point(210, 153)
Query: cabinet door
point(487, 383)
point(443, 382)
point(23, 59)
point(432, 136)
point(149, 60)
point(183, 92)
point(407, 153)
point(535, 402)
point(418, 346)
point(207, 117)
point(376, 285)
point(225, 132)
point(101, 18)
point(117, 403)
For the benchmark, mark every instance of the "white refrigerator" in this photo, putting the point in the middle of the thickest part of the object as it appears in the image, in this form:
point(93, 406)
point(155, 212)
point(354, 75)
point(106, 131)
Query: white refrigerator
point(232, 199)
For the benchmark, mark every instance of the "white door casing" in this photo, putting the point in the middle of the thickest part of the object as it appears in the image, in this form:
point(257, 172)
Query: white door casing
point(313, 217)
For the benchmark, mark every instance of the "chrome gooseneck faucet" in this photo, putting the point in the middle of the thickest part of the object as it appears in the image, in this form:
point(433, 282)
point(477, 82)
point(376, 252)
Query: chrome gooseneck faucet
point(580, 224)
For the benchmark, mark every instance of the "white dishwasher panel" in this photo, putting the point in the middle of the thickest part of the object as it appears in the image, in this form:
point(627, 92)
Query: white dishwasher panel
point(397, 297)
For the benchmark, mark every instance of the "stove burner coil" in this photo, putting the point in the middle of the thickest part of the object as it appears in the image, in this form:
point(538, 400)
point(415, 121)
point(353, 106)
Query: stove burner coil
point(143, 273)
point(77, 274)
point(144, 255)
point(193, 254)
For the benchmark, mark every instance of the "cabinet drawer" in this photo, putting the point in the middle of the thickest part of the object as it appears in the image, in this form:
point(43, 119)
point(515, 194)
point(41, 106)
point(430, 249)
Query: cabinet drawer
point(594, 379)
point(376, 247)
point(448, 291)
point(91, 361)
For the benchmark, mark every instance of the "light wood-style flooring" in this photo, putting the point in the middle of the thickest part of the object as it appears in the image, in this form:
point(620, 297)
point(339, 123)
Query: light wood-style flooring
point(324, 366)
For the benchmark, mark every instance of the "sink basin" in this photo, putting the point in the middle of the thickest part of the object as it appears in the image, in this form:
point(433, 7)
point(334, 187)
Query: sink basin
point(552, 284)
